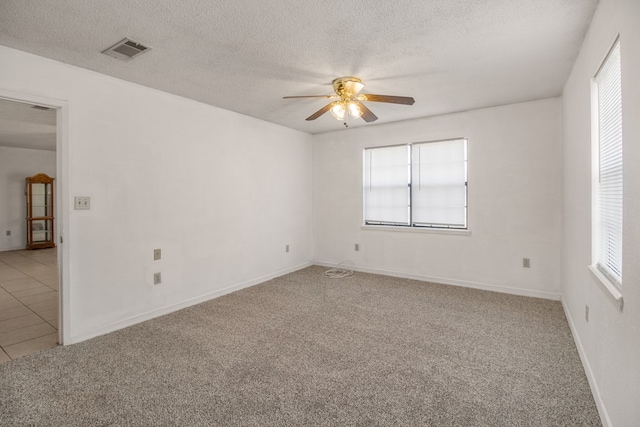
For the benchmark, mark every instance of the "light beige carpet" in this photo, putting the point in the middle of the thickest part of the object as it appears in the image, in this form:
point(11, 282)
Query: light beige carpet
point(302, 349)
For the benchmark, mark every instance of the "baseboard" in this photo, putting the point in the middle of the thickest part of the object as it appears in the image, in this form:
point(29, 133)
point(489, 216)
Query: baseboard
point(17, 248)
point(445, 281)
point(602, 410)
point(130, 321)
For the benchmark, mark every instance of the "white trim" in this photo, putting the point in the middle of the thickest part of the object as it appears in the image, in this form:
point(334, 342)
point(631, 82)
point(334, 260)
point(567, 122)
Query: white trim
point(138, 318)
point(444, 281)
point(602, 410)
point(604, 281)
point(63, 223)
point(29, 98)
point(406, 228)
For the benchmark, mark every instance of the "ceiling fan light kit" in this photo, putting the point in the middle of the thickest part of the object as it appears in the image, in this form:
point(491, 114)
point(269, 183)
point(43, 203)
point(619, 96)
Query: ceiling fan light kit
point(341, 108)
point(348, 103)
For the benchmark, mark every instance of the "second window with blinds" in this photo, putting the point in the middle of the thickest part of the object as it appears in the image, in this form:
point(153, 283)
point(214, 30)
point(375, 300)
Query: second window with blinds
point(422, 185)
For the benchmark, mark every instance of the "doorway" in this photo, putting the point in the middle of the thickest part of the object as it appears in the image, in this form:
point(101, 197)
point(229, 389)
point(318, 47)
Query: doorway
point(32, 287)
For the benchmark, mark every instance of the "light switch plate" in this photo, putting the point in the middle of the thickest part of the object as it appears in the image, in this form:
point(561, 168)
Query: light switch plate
point(157, 254)
point(82, 202)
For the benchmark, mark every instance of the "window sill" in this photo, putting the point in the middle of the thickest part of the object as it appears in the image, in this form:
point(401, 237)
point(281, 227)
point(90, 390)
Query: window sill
point(613, 290)
point(450, 232)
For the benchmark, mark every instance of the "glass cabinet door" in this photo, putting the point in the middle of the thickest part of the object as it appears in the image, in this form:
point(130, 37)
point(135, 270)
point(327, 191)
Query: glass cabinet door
point(42, 230)
point(40, 198)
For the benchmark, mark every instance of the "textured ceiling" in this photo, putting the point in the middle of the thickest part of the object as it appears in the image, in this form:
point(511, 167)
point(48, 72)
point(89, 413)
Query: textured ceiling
point(23, 126)
point(245, 55)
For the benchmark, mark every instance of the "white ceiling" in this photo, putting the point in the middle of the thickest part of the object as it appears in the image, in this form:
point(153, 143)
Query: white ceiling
point(245, 55)
point(23, 126)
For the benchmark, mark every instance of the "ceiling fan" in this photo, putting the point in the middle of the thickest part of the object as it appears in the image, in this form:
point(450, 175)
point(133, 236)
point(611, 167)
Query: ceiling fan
point(348, 100)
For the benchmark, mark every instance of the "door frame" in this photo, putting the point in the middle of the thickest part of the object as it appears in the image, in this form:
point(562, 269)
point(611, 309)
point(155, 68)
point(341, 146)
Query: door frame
point(61, 200)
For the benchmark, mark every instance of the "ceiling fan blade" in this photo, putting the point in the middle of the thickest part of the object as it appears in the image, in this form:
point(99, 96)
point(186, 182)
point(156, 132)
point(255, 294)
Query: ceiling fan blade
point(320, 112)
point(310, 96)
point(406, 100)
point(367, 114)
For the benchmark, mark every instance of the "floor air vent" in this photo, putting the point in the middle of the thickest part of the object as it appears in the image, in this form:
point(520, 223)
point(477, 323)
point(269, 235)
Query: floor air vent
point(126, 50)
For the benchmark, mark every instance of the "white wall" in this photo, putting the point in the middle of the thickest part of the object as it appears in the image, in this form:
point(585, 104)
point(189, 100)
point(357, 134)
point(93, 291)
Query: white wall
point(220, 193)
point(15, 165)
point(515, 195)
point(610, 341)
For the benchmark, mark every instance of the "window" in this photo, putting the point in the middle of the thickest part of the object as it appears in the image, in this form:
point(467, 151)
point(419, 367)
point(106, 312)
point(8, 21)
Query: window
point(607, 209)
point(417, 185)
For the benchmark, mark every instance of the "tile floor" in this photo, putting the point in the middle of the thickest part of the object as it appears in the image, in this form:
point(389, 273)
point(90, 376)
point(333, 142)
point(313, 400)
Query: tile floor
point(28, 302)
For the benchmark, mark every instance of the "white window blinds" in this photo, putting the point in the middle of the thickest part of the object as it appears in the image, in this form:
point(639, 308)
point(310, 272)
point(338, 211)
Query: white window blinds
point(386, 187)
point(609, 191)
point(417, 185)
point(439, 184)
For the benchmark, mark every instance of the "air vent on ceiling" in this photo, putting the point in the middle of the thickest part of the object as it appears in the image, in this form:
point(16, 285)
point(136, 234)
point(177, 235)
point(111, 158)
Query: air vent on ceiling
point(126, 49)
point(41, 107)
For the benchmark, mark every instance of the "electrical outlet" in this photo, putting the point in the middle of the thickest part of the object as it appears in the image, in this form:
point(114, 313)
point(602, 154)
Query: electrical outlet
point(8, 233)
point(586, 313)
point(356, 247)
point(157, 254)
point(286, 248)
point(526, 263)
point(82, 202)
point(157, 278)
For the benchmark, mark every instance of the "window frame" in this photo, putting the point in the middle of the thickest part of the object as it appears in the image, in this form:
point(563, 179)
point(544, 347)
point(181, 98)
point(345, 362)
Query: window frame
point(603, 273)
point(411, 226)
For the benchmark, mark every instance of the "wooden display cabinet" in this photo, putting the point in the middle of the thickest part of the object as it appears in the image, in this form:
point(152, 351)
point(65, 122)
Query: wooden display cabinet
point(40, 214)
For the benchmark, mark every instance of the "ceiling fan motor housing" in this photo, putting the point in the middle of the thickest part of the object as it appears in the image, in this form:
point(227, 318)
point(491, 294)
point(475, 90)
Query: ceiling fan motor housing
point(347, 87)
